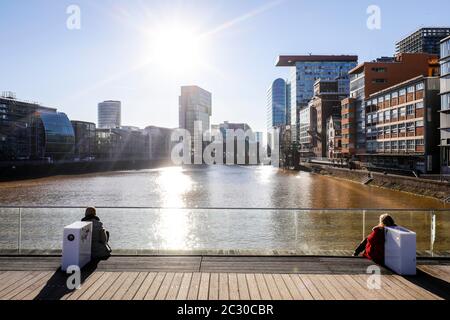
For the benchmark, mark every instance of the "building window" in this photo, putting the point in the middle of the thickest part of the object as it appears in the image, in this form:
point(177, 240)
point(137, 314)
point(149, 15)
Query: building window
point(420, 86)
point(394, 114)
point(402, 128)
point(420, 142)
point(394, 129)
point(402, 92)
point(403, 145)
point(379, 70)
point(411, 89)
point(410, 127)
point(419, 105)
point(410, 145)
point(387, 97)
point(403, 112)
point(387, 115)
point(394, 145)
point(394, 95)
point(410, 110)
point(379, 81)
point(419, 123)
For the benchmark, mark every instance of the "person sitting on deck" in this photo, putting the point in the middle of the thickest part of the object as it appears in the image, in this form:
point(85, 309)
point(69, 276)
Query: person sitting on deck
point(373, 245)
point(100, 237)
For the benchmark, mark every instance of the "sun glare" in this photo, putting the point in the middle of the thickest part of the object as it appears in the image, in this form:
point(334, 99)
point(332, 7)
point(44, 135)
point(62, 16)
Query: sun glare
point(176, 49)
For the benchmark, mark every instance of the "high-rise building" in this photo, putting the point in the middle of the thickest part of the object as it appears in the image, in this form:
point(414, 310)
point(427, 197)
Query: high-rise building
point(424, 40)
point(371, 77)
point(109, 114)
point(195, 105)
point(305, 71)
point(445, 106)
point(277, 104)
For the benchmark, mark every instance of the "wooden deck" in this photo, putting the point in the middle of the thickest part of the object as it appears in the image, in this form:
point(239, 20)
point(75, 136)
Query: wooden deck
point(220, 278)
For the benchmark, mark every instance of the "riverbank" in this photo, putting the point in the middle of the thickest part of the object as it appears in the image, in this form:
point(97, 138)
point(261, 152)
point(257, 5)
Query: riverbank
point(26, 170)
point(439, 190)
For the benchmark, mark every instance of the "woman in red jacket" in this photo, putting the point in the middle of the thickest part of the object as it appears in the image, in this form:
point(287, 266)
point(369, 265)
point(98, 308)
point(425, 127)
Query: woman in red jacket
point(373, 245)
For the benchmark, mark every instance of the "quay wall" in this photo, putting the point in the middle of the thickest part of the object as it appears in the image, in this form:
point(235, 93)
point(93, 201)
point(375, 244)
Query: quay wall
point(424, 187)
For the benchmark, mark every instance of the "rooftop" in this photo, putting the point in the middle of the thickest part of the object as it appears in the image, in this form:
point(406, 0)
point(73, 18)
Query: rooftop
point(290, 60)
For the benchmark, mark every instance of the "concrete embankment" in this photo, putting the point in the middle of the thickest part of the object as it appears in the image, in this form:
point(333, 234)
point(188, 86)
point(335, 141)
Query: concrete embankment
point(429, 188)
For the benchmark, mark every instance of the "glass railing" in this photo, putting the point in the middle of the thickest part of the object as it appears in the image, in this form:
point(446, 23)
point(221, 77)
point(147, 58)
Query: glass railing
point(139, 231)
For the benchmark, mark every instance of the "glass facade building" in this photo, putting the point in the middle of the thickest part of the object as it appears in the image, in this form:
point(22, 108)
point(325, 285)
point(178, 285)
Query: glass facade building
point(277, 104)
point(109, 114)
point(55, 136)
point(445, 106)
point(305, 71)
point(84, 140)
point(195, 108)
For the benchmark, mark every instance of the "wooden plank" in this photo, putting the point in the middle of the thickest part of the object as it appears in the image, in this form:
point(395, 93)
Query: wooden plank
point(294, 292)
point(396, 289)
point(376, 294)
point(284, 291)
point(112, 278)
point(154, 288)
point(253, 287)
point(19, 283)
point(224, 293)
point(114, 287)
point(90, 281)
point(273, 289)
point(165, 286)
point(343, 287)
point(24, 285)
point(214, 286)
point(203, 291)
point(91, 291)
point(32, 291)
point(233, 286)
point(174, 287)
point(135, 286)
point(243, 287)
point(184, 287)
point(194, 286)
point(330, 285)
point(316, 294)
point(142, 291)
point(416, 289)
point(302, 289)
point(13, 278)
point(315, 279)
point(119, 294)
point(262, 287)
point(355, 285)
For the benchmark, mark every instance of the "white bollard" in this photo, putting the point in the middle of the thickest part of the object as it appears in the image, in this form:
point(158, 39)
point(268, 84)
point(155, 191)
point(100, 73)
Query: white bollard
point(77, 244)
point(400, 250)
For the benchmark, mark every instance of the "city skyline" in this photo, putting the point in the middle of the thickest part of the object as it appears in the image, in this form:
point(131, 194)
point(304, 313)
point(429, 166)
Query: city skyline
point(77, 69)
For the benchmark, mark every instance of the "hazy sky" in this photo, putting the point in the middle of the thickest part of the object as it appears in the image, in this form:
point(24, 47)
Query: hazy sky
point(228, 47)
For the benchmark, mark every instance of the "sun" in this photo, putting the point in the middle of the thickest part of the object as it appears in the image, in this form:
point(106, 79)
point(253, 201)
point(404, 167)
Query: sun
point(176, 49)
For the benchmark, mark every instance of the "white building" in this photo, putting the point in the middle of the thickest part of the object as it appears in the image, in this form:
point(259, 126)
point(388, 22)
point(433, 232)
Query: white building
point(109, 114)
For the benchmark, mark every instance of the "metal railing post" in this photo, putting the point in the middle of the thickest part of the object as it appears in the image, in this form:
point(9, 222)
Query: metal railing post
point(364, 225)
point(433, 232)
point(19, 233)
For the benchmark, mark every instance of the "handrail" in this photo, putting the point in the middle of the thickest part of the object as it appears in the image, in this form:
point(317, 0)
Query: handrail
point(233, 208)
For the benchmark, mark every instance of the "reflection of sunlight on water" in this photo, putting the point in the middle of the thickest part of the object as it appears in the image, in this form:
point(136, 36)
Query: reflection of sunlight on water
point(265, 174)
point(173, 185)
point(173, 228)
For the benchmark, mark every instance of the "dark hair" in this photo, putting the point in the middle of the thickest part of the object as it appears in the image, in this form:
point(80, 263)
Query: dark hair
point(386, 220)
point(91, 212)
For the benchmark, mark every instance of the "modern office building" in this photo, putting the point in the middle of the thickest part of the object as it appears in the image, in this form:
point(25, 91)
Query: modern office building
point(307, 131)
point(109, 114)
point(370, 77)
point(326, 103)
point(445, 106)
point(424, 40)
point(195, 108)
point(160, 144)
point(121, 145)
point(348, 127)
point(55, 138)
point(277, 104)
point(403, 126)
point(334, 137)
point(29, 131)
point(85, 140)
point(305, 71)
